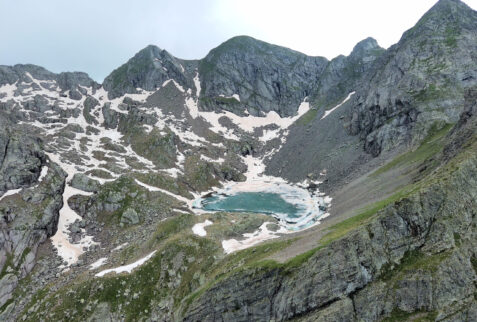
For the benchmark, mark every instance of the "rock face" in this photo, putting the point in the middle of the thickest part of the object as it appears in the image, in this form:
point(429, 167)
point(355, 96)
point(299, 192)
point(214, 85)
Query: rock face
point(67, 81)
point(130, 217)
point(245, 74)
point(265, 77)
point(20, 159)
point(272, 78)
point(418, 81)
point(148, 70)
point(30, 216)
point(412, 88)
point(343, 74)
point(84, 183)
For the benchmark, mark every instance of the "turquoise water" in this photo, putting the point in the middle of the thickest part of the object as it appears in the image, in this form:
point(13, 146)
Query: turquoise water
point(256, 202)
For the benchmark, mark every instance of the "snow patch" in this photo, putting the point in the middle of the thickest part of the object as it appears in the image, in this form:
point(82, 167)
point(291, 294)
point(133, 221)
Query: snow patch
point(67, 250)
point(235, 96)
point(179, 87)
point(43, 173)
point(199, 230)
point(8, 90)
point(328, 112)
point(151, 188)
point(173, 172)
point(206, 158)
point(100, 262)
point(197, 84)
point(251, 239)
point(120, 247)
point(269, 135)
point(10, 192)
point(180, 211)
point(126, 268)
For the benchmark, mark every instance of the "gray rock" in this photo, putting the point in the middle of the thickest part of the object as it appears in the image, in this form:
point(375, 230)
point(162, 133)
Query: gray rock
point(417, 82)
point(130, 217)
point(75, 94)
point(7, 284)
point(148, 70)
point(21, 159)
point(88, 105)
point(71, 80)
point(266, 77)
point(111, 118)
point(83, 182)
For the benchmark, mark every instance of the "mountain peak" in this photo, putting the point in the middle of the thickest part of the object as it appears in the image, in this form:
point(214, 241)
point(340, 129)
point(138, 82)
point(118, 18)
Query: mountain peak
point(444, 18)
point(147, 69)
point(247, 44)
point(448, 11)
point(449, 3)
point(449, 6)
point(149, 49)
point(365, 46)
point(259, 73)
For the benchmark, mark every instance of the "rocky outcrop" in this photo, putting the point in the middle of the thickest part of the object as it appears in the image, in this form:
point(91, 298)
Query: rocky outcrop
point(27, 219)
point(264, 76)
point(111, 117)
point(129, 217)
point(21, 159)
point(343, 74)
point(11, 74)
point(418, 81)
point(29, 215)
point(67, 81)
point(71, 80)
point(83, 182)
point(148, 70)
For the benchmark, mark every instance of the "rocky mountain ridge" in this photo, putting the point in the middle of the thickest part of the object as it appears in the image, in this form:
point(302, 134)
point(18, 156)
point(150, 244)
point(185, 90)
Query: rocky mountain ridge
point(247, 74)
point(102, 179)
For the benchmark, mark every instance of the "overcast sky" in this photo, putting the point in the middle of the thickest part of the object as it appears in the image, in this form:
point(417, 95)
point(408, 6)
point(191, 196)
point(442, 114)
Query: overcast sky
point(97, 36)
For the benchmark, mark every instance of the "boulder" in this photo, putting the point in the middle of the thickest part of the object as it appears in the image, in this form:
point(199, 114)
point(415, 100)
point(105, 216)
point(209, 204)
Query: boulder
point(130, 217)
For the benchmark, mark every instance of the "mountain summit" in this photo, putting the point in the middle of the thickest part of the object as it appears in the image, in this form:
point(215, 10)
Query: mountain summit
point(148, 69)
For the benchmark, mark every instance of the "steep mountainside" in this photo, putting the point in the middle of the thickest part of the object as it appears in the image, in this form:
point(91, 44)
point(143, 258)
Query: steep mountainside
point(418, 81)
point(148, 70)
point(414, 87)
point(99, 184)
point(413, 258)
point(264, 77)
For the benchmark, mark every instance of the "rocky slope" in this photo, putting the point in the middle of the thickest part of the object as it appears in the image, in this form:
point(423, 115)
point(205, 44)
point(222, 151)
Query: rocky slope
point(247, 74)
point(418, 81)
point(414, 258)
point(98, 183)
point(265, 77)
point(413, 87)
point(29, 207)
point(148, 70)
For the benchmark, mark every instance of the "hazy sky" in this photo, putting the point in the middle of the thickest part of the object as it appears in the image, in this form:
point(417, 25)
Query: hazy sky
point(97, 36)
